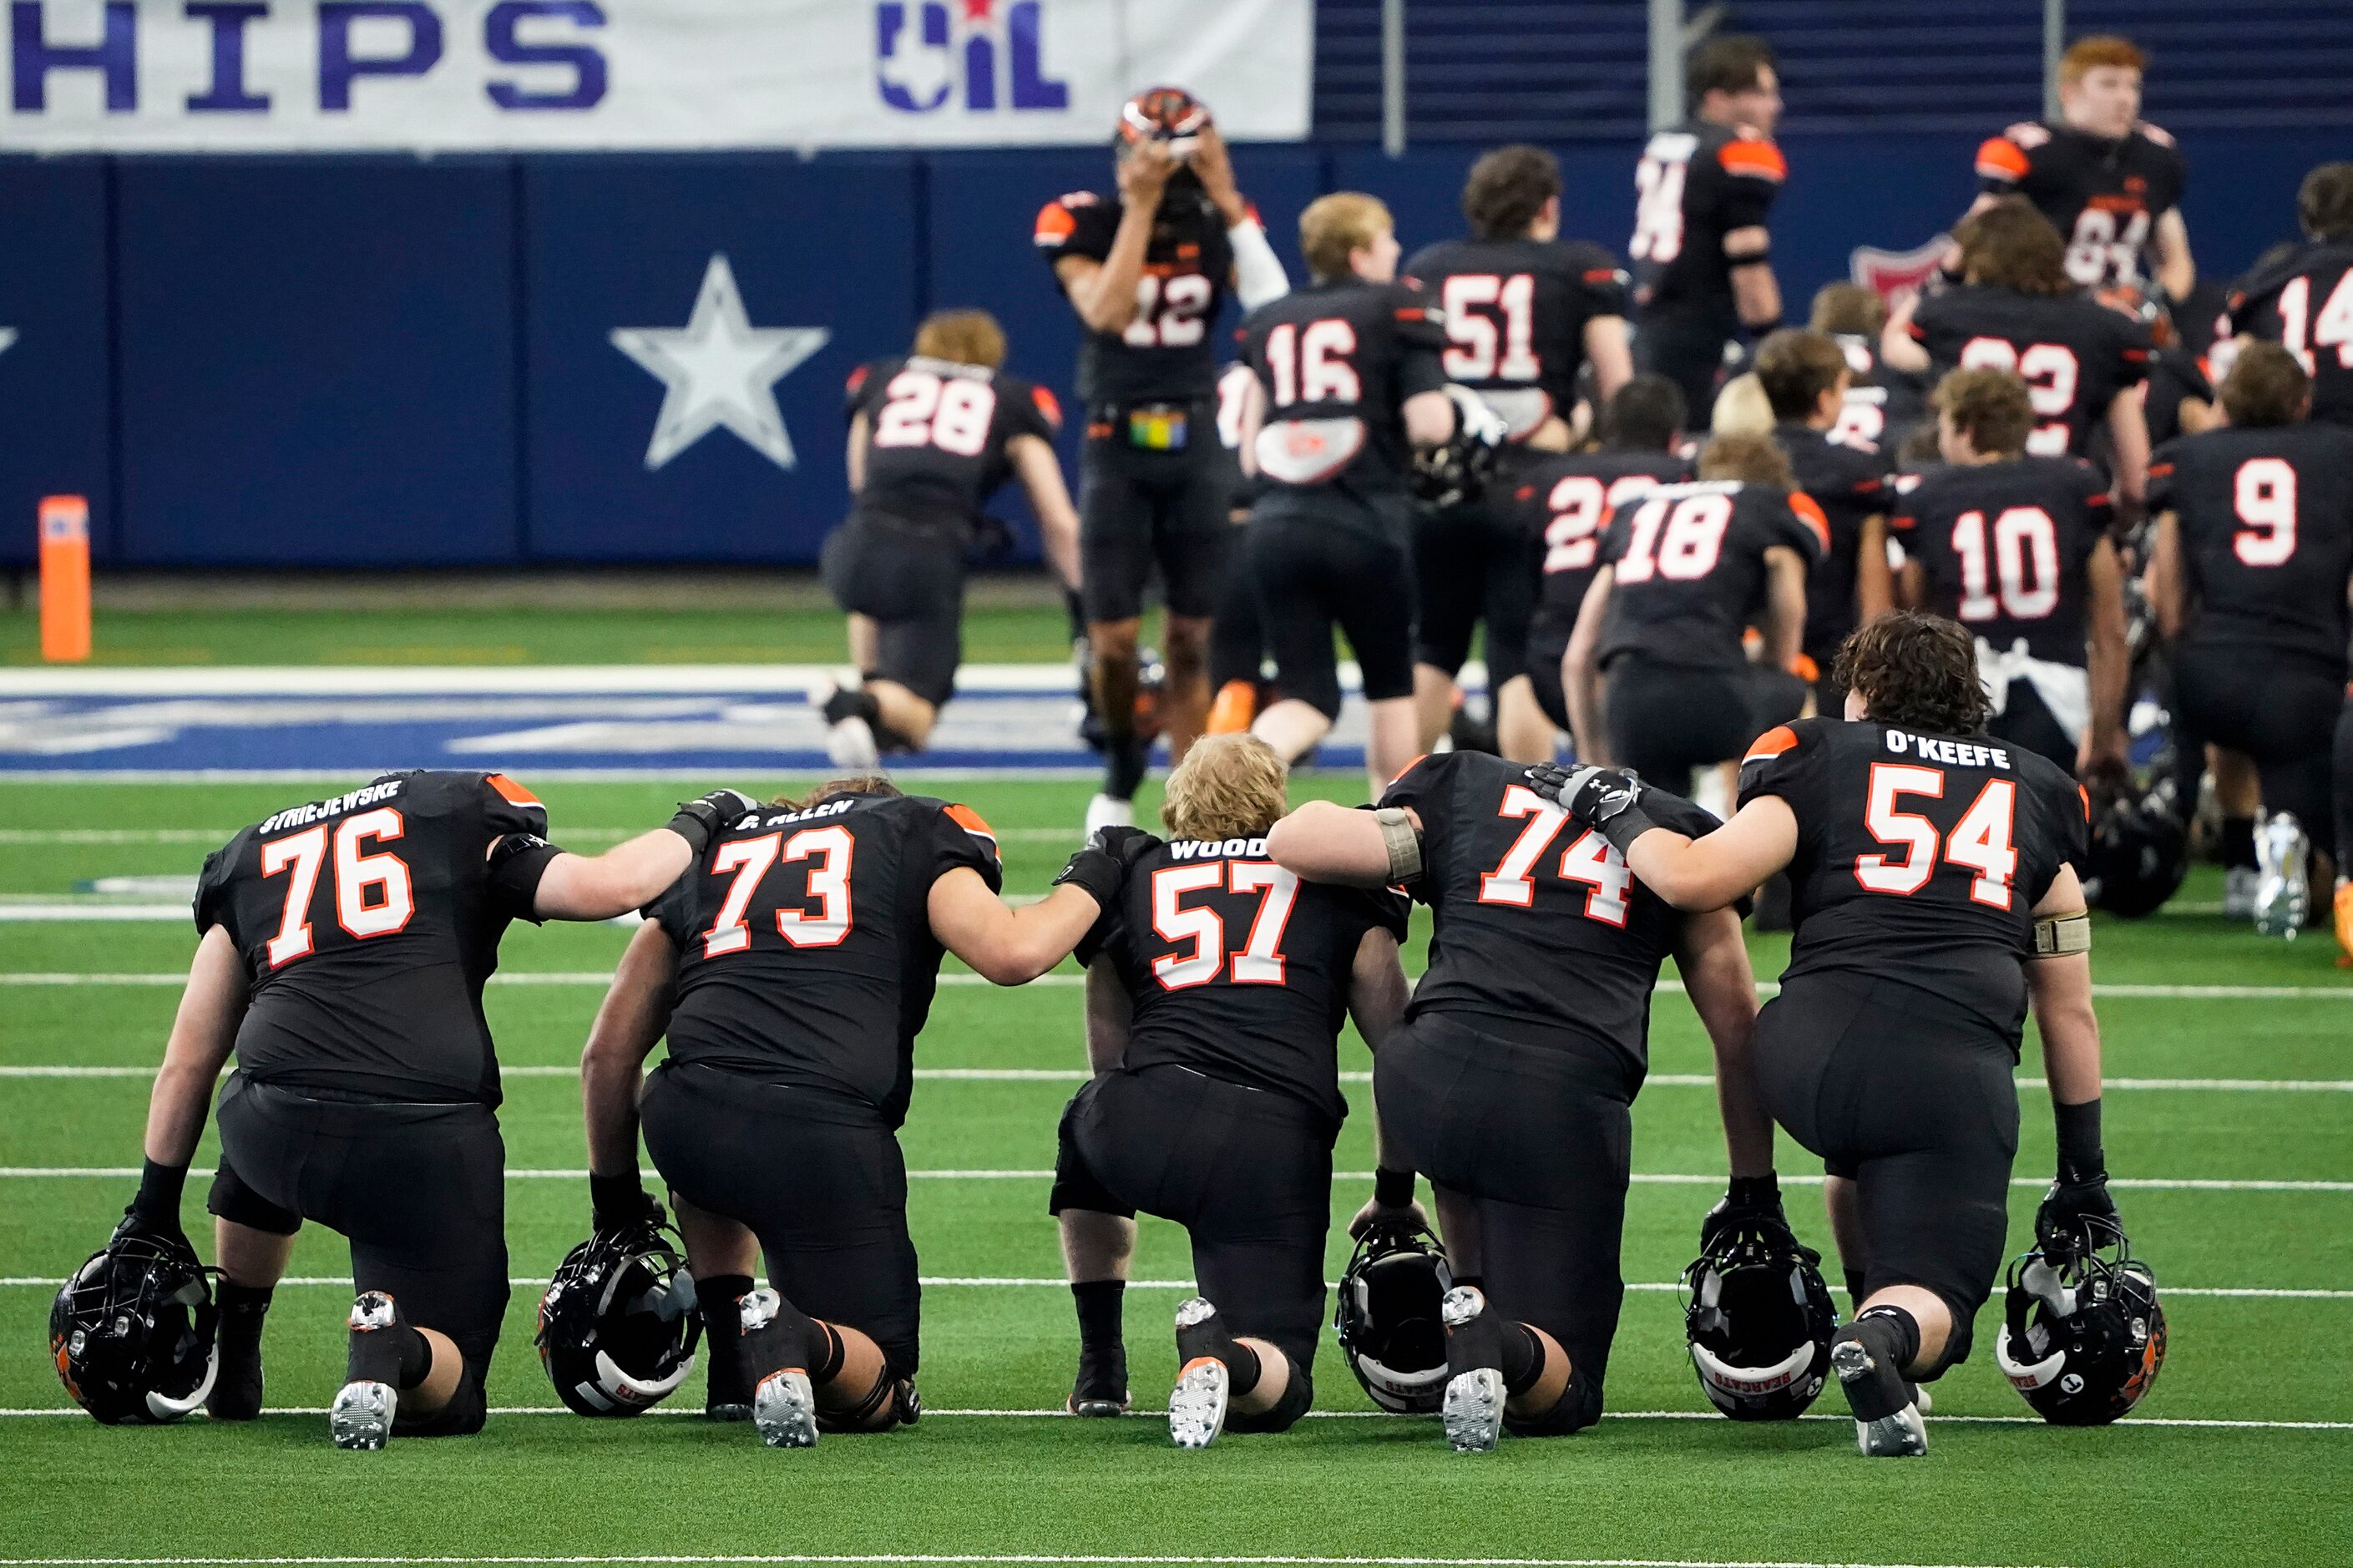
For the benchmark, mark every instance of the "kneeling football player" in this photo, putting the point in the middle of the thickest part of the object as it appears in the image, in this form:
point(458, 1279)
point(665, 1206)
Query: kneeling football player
point(792, 966)
point(1216, 985)
point(345, 946)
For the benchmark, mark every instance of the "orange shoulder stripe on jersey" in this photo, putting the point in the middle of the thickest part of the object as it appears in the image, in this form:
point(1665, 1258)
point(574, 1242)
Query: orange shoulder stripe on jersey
point(2085, 797)
point(509, 790)
point(1804, 666)
point(1903, 520)
point(857, 380)
point(1771, 744)
point(1055, 224)
point(2159, 471)
point(1999, 158)
point(1049, 405)
point(1759, 159)
point(1408, 768)
point(964, 817)
point(1810, 513)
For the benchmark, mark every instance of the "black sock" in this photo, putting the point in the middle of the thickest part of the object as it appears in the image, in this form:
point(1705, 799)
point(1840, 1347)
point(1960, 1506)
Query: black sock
point(1127, 759)
point(852, 702)
point(715, 1297)
point(1904, 1347)
point(1469, 1282)
point(1102, 1305)
point(415, 1358)
point(1242, 1362)
point(826, 1351)
point(2239, 842)
point(236, 1297)
point(1523, 1358)
point(1857, 1291)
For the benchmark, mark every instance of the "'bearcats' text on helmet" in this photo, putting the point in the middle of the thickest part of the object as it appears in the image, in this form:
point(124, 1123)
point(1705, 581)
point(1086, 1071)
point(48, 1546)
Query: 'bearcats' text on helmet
point(2083, 1340)
point(1391, 1330)
point(618, 1326)
point(133, 1331)
point(1759, 1321)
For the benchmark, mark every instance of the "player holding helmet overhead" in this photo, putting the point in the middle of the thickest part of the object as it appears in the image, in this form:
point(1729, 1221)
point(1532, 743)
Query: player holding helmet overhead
point(1934, 896)
point(2017, 310)
point(791, 967)
point(2016, 548)
point(1701, 254)
point(1217, 986)
point(1511, 1083)
point(1148, 268)
point(2253, 552)
point(1350, 391)
point(1525, 311)
point(2304, 298)
point(931, 435)
point(2108, 181)
point(345, 945)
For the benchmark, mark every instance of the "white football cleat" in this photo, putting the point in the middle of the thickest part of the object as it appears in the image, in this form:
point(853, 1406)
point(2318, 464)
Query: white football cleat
point(361, 1417)
point(783, 1408)
point(2240, 886)
point(849, 741)
point(1197, 1405)
point(2284, 897)
point(1472, 1408)
point(1105, 812)
point(1901, 1436)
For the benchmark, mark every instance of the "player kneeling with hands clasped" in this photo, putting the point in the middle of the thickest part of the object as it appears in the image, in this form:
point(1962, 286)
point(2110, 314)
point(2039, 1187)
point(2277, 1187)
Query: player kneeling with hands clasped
point(1934, 898)
point(792, 966)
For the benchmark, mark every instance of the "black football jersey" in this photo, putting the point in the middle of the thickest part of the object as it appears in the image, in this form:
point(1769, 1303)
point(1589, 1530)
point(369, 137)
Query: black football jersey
point(2306, 302)
point(1540, 933)
point(2072, 352)
point(1515, 313)
point(1337, 362)
point(1236, 968)
point(2174, 373)
point(805, 947)
point(1688, 569)
point(1848, 480)
point(1695, 185)
point(1564, 500)
point(1920, 857)
point(1165, 355)
point(2103, 196)
point(2266, 519)
point(2007, 548)
point(1883, 405)
point(935, 438)
point(2075, 355)
point(367, 923)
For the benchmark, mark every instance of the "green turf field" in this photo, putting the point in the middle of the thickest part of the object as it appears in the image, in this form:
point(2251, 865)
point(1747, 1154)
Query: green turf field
point(2243, 1455)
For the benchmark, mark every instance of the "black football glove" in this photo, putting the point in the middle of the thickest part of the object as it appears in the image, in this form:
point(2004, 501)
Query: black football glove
point(622, 1203)
point(137, 1227)
point(1099, 868)
point(699, 818)
point(1752, 1205)
point(1608, 799)
point(2063, 1224)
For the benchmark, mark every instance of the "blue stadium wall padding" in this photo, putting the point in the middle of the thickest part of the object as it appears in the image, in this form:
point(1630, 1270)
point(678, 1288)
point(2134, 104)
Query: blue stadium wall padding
point(317, 360)
point(353, 360)
point(54, 394)
point(625, 242)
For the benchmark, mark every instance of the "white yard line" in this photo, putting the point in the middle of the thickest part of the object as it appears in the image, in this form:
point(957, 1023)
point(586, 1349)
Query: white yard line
point(2144, 1184)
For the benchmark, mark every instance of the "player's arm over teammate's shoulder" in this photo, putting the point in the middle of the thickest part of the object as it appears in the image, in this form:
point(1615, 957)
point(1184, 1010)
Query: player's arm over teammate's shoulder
point(543, 882)
point(1009, 946)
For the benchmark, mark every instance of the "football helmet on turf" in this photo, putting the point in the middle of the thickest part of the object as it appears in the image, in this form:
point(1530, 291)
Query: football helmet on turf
point(2139, 847)
point(618, 1326)
point(2083, 1340)
point(1387, 1320)
point(132, 1330)
point(1759, 1319)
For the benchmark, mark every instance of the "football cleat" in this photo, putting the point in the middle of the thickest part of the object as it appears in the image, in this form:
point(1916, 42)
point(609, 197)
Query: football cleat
point(2284, 897)
point(783, 1408)
point(1473, 1406)
point(1197, 1405)
point(1101, 1387)
point(237, 1390)
point(1105, 811)
point(848, 718)
point(2239, 884)
point(361, 1417)
point(618, 1326)
point(2083, 1340)
point(133, 1333)
point(1391, 1334)
point(1887, 1423)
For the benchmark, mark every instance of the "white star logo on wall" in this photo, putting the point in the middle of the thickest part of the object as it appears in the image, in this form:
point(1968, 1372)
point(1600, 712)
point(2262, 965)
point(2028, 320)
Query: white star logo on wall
point(719, 369)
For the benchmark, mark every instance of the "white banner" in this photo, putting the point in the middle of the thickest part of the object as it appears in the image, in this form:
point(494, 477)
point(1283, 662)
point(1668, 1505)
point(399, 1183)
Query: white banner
point(469, 75)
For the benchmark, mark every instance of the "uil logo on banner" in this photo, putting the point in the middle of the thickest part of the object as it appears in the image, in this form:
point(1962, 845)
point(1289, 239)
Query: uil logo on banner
point(924, 50)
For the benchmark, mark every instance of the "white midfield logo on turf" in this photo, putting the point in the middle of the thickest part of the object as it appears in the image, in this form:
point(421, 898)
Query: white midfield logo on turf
point(719, 370)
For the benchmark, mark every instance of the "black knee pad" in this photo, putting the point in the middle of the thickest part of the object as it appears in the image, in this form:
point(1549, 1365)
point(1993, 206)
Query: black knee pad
point(1579, 1407)
point(232, 1200)
point(1297, 1395)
